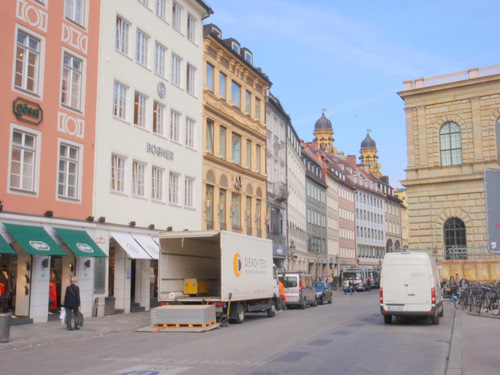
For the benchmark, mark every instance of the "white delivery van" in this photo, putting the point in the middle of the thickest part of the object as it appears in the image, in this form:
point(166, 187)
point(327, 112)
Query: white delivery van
point(409, 286)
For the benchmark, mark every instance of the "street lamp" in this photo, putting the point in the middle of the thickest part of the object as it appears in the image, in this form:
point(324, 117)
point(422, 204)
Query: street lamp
point(291, 252)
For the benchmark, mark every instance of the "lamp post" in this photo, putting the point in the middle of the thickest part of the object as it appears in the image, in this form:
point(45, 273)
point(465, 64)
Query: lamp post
point(291, 252)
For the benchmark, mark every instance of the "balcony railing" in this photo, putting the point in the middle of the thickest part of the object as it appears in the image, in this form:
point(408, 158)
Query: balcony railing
point(453, 77)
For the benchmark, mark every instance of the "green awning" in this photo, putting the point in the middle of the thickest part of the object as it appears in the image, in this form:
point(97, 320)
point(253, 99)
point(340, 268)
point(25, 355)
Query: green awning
point(5, 248)
point(34, 240)
point(80, 242)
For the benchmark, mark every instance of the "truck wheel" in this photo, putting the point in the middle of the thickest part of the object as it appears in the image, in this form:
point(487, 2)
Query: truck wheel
point(435, 319)
point(387, 319)
point(238, 314)
point(271, 312)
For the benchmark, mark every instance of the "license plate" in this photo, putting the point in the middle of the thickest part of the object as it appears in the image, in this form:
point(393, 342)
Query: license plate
point(395, 307)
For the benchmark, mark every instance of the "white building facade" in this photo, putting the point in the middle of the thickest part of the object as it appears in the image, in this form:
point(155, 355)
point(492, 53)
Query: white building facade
point(148, 137)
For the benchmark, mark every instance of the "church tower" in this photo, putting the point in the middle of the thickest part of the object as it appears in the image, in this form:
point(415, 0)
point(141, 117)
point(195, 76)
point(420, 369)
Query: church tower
point(369, 156)
point(323, 135)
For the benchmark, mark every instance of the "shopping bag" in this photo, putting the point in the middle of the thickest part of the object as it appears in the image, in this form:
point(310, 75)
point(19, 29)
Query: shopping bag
point(62, 317)
point(79, 319)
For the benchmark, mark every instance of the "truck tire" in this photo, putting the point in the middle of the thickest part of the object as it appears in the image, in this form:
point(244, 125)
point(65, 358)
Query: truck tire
point(271, 312)
point(387, 319)
point(238, 314)
point(435, 319)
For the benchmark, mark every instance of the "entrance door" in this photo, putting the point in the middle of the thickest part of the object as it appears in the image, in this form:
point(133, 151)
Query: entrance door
point(8, 277)
point(55, 284)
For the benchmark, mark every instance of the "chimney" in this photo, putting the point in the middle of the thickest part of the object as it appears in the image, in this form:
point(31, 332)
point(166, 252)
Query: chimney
point(351, 159)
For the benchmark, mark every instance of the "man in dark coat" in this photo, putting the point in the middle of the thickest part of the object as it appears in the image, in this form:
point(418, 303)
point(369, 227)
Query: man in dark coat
point(72, 303)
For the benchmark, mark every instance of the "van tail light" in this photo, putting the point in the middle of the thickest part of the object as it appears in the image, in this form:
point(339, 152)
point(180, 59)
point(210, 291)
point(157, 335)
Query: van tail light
point(381, 296)
point(300, 286)
point(433, 296)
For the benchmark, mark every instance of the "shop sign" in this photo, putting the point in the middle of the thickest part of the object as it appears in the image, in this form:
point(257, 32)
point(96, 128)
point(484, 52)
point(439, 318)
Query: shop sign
point(159, 151)
point(83, 247)
point(27, 111)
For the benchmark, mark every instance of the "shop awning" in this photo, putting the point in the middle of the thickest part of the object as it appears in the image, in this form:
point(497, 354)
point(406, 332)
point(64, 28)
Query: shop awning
point(131, 247)
point(148, 244)
point(80, 242)
point(34, 240)
point(5, 248)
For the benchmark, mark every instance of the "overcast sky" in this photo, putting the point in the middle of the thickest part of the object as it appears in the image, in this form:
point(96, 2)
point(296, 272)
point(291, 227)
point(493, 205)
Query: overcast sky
point(351, 57)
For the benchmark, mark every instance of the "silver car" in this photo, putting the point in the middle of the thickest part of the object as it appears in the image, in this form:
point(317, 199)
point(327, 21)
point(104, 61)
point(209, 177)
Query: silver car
point(299, 289)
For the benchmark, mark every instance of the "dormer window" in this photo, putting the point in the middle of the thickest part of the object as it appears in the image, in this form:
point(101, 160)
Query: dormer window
point(248, 57)
point(235, 46)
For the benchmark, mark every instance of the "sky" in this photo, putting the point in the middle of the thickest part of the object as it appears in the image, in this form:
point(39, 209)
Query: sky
point(351, 58)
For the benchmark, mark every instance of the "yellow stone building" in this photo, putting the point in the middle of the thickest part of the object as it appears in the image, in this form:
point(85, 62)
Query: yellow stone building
point(368, 155)
point(234, 137)
point(451, 140)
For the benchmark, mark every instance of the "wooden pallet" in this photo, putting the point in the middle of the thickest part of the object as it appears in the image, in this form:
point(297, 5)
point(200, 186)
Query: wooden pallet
point(183, 325)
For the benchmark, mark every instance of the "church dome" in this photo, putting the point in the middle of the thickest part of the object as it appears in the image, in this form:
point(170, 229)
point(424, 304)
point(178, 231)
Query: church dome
point(368, 142)
point(323, 123)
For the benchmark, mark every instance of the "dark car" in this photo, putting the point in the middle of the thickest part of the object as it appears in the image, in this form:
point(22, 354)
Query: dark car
point(323, 292)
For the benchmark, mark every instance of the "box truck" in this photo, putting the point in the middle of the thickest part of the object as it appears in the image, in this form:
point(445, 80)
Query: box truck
point(233, 272)
point(409, 286)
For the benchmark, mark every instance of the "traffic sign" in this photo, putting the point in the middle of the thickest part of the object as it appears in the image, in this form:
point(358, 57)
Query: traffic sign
point(492, 196)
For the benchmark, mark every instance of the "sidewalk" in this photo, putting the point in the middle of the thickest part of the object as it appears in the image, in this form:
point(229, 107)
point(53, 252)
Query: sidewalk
point(26, 335)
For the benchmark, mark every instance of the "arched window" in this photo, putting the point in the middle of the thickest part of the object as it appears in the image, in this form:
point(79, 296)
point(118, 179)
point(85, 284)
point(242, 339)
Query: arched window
point(454, 239)
point(450, 144)
point(388, 247)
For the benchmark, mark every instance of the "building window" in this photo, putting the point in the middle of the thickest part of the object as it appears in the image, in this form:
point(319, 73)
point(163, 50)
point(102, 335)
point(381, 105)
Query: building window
point(190, 79)
point(141, 55)
point(190, 127)
point(236, 211)
point(160, 8)
point(176, 70)
point(138, 178)
point(75, 10)
point(210, 77)
point(257, 109)
point(455, 239)
point(176, 16)
point(71, 90)
point(118, 173)
point(222, 142)
point(248, 57)
point(258, 214)
point(248, 102)
point(173, 188)
point(27, 63)
point(235, 47)
point(158, 118)
point(248, 215)
point(209, 212)
point(160, 52)
point(222, 85)
point(189, 192)
point(22, 164)
point(236, 149)
point(121, 42)
point(222, 208)
point(119, 101)
point(191, 28)
point(157, 184)
point(140, 102)
point(450, 144)
point(257, 158)
point(175, 120)
point(236, 94)
point(249, 154)
point(209, 142)
point(67, 185)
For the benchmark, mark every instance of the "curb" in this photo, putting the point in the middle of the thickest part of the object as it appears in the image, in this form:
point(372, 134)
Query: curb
point(454, 364)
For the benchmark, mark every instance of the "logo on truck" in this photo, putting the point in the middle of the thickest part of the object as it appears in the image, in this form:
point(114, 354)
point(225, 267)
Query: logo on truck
point(237, 264)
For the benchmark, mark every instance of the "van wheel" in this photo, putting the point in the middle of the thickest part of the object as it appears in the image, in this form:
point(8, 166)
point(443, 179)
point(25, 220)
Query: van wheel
point(272, 310)
point(387, 319)
point(435, 319)
point(302, 303)
point(238, 314)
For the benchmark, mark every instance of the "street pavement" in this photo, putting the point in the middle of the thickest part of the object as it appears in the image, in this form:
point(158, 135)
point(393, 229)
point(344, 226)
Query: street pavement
point(474, 345)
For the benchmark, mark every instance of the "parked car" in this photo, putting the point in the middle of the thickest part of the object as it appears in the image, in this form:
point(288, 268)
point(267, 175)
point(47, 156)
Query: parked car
point(324, 293)
point(299, 289)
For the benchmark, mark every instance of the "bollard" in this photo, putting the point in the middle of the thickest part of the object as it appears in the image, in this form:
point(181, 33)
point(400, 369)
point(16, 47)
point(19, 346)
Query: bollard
point(4, 327)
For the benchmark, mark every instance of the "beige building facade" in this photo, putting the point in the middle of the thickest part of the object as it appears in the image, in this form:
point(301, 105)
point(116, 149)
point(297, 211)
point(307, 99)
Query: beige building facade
point(451, 139)
point(234, 137)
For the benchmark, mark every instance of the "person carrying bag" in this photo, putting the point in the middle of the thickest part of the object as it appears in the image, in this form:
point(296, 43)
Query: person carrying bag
point(72, 304)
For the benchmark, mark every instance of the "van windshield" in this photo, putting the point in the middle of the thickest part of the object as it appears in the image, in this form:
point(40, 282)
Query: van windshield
point(351, 274)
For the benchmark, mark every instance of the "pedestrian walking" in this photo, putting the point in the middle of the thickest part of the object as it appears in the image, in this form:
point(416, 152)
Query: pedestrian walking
point(72, 303)
point(282, 295)
point(369, 284)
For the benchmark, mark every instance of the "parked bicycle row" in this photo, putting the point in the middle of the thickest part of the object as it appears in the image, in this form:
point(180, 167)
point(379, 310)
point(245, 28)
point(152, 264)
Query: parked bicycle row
point(480, 298)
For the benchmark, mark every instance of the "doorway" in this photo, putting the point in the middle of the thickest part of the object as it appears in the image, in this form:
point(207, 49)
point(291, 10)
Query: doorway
point(8, 277)
point(55, 292)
